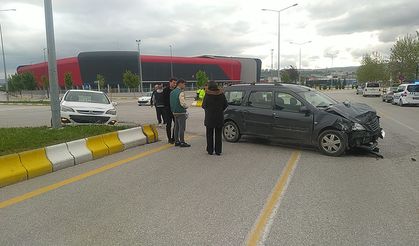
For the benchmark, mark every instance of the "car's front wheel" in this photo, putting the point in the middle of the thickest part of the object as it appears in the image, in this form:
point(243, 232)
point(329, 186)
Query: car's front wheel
point(332, 142)
point(401, 103)
point(231, 132)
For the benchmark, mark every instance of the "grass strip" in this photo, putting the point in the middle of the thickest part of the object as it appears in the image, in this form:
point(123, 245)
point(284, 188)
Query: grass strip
point(14, 140)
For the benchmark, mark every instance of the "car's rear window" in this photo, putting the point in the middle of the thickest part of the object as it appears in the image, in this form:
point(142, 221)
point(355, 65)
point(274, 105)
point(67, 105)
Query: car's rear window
point(373, 85)
point(234, 97)
point(413, 88)
point(85, 96)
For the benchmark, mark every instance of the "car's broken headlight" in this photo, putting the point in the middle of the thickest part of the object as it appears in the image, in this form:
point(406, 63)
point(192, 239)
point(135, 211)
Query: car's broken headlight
point(358, 127)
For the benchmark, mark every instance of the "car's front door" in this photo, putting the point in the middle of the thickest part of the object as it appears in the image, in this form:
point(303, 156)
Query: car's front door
point(258, 113)
point(291, 121)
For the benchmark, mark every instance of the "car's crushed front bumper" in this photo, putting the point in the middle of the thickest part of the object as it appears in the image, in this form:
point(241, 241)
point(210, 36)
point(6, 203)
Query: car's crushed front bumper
point(79, 118)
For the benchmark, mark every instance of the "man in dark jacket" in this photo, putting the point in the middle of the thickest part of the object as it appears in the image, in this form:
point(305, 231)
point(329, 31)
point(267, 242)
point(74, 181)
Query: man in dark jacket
point(168, 115)
point(158, 102)
point(214, 104)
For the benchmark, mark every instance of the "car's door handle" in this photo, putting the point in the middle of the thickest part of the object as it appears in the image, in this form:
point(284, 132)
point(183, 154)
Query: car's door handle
point(276, 116)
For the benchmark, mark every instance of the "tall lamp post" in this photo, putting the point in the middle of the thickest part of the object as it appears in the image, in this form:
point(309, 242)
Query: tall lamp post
point(4, 57)
point(171, 61)
point(140, 70)
point(279, 31)
point(300, 44)
point(52, 66)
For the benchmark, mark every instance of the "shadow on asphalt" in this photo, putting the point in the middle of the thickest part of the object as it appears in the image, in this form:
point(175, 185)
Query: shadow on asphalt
point(267, 142)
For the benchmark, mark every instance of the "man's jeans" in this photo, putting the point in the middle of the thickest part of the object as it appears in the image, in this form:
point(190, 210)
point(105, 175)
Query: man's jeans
point(180, 126)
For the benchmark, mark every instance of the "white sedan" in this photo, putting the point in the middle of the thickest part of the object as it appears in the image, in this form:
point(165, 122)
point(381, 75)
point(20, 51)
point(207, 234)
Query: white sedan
point(87, 107)
point(145, 99)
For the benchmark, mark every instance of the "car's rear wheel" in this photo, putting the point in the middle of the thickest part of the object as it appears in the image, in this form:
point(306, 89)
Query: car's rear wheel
point(231, 132)
point(332, 142)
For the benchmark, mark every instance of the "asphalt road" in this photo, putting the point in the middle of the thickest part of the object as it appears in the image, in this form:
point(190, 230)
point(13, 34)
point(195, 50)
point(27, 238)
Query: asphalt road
point(172, 196)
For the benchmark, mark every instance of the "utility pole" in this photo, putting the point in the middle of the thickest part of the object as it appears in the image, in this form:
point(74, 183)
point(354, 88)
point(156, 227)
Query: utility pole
point(52, 66)
point(279, 36)
point(4, 57)
point(299, 65)
point(140, 71)
point(272, 63)
point(171, 61)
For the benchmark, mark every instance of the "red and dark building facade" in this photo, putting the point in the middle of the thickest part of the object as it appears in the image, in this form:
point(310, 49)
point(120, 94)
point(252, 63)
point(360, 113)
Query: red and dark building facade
point(112, 64)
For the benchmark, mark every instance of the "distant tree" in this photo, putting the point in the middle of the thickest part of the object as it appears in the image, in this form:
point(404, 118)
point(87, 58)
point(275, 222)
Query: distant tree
point(130, 79)
point(373, 68)
point(68, 81)
point(201, 79)
point(15, 83)
point(28, 81)
point(101, 80)
point(289, 75)
point(404, 57)
point(45, 84)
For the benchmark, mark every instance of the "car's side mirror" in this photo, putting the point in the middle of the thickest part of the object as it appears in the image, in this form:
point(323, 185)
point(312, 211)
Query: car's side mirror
point(114, 104)
point(249, 103)
point(305, 110)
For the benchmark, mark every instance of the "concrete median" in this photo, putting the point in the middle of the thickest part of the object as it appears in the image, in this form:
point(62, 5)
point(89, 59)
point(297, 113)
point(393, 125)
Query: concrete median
point(78, 149)
point(11, 170)
point(148, 131)
point(132, 137)
point(59, 156)
point(97, 146)
point(112, 141)
point(35, 162)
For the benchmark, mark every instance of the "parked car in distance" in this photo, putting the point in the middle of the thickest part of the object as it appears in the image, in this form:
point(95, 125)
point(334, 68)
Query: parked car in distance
point(145, 100)
point(388, 94)
point(359, 89)
point(372, 89)
point(87, 107)
point(299, 115)
point(407, 94)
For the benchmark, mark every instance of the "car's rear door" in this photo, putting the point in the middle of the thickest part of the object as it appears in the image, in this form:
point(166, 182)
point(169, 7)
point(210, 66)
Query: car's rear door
point(290, 123)
point(258, 113)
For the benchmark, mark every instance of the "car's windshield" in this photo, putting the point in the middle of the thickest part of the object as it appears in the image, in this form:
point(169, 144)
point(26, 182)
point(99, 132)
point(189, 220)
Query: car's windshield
point(317, 99)
point(86, 96)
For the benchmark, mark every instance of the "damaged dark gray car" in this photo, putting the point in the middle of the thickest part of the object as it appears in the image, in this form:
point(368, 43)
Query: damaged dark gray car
point(299, 115)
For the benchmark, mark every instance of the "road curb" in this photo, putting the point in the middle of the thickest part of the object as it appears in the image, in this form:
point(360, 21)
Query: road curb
point(33, 163)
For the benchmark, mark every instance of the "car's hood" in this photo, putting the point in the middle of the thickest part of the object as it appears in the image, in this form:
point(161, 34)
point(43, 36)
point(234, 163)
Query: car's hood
point(90, 106)
point(356, 112)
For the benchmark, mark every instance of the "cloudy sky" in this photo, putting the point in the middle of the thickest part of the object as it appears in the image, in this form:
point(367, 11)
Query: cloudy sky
point(345, 28)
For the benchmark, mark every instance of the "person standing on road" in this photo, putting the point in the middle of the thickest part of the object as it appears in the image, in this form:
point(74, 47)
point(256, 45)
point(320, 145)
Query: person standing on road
point(168, 115)
point(179, 106)
point(214, 104)
point(158, 102)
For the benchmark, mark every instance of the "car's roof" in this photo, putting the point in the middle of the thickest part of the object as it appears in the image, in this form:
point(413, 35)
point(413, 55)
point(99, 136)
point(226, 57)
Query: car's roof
point(292, 87)
point(99, 92)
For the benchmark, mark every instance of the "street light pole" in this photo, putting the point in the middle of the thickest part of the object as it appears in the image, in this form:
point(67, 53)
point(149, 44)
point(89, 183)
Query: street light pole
point(4, 57)
point(171, 61)
point(140, 71)
point(279, 35)
point(299, 65)
point(52, 66)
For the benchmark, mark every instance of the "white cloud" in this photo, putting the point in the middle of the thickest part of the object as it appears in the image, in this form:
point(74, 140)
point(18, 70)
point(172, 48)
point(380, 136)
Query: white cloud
point(230, 27)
